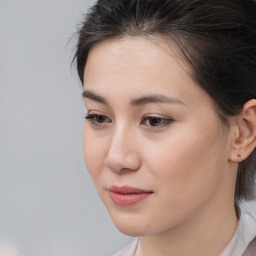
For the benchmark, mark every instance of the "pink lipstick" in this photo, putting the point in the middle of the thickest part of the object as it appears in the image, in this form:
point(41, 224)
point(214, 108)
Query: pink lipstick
point(127, 196)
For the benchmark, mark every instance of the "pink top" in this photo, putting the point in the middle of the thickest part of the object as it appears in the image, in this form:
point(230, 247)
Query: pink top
point(128, 250)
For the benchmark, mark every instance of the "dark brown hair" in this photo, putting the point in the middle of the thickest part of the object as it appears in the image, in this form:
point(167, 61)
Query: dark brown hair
point(216, 37)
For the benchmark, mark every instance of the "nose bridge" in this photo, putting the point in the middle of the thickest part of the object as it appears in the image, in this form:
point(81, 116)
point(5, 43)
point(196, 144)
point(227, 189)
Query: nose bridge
point(119, 139)
point(122, 154)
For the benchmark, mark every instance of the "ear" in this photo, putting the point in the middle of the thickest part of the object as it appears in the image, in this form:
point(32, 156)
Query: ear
point(245, 136)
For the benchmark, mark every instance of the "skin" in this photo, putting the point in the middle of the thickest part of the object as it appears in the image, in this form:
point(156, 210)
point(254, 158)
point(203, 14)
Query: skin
point(186, 158)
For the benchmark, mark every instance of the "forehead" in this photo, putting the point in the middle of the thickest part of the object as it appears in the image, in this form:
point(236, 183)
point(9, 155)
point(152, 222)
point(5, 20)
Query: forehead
point(131, 56)
point(134, 66)
point(143, 52)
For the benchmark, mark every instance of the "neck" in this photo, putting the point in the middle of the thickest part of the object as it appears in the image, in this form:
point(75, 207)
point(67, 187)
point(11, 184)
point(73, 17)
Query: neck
point(207, 233)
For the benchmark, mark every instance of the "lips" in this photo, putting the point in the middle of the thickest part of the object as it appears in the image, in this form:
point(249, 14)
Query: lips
point(127, 196)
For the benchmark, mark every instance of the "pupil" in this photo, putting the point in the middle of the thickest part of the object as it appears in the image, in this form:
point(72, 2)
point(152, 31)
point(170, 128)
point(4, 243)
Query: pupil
point(154, 121)
point(100, 119)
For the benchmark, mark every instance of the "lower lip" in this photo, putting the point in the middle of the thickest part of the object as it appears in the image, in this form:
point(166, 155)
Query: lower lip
point(127, 199)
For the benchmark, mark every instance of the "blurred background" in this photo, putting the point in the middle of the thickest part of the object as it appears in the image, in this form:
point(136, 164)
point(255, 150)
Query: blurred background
point(48, 204)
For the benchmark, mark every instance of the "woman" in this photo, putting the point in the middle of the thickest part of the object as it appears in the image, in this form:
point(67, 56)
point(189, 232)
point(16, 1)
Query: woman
point(169, 87)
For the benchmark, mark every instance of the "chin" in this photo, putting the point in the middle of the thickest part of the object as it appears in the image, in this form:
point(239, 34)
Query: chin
point(134, 226)
point(131, 230)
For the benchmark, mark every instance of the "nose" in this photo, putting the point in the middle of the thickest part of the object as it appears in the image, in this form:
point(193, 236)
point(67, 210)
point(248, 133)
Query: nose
point(123, 154)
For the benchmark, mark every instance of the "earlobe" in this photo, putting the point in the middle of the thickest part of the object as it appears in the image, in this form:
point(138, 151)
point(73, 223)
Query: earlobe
point(245, 137)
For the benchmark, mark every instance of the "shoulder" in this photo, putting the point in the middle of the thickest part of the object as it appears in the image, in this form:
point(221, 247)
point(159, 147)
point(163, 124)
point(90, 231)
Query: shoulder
point(128, 250)
point(249, 230)
point(251, 249)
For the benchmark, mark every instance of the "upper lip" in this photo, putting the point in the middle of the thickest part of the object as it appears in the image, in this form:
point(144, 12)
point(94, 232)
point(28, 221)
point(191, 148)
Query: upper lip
point(127, 190)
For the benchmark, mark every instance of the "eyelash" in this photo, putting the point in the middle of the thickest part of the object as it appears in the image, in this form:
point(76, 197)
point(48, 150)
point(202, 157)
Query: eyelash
point(94, 119)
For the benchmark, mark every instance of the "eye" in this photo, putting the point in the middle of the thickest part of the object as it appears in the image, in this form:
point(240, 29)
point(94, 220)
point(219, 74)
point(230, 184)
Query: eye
point(156, 121)
point(97, 119)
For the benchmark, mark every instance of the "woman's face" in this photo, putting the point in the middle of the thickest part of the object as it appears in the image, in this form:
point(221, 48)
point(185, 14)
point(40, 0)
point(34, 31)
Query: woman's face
point(153, 143)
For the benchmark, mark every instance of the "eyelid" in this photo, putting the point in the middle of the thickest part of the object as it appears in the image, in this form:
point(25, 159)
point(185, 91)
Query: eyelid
point(90, 116)
point(160, 116)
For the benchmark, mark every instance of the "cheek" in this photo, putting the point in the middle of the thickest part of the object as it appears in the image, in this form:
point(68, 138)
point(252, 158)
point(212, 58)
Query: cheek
point(187, 164)
point(94, 153)
point(186, 174)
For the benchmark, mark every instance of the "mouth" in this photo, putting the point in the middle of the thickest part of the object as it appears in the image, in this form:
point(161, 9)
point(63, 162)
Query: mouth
point(127, 196)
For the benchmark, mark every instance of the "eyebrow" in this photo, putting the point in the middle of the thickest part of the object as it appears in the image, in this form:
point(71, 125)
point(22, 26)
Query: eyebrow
point(151, 98)
point(155, 98)
point(94, 97)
